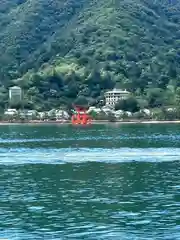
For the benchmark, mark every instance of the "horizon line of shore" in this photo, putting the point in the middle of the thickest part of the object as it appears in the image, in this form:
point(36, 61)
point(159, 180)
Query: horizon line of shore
point(93, 122)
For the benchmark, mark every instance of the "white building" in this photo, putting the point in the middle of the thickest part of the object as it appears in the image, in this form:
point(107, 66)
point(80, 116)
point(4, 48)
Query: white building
point(10, 112)
point(94, 109)
point(61, 114)
point(15, 94)
point(112, 97)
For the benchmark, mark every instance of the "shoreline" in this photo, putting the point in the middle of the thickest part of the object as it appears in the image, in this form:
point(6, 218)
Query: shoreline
point(93, 122)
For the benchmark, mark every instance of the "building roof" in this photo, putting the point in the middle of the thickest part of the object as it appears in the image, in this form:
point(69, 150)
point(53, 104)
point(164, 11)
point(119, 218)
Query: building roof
point(118, 91)
point(11, 110)
point(15, 87)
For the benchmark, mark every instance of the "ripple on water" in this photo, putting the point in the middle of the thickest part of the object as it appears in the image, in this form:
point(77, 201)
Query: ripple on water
point(75, 155)
point(90, 201)
point(97, 190)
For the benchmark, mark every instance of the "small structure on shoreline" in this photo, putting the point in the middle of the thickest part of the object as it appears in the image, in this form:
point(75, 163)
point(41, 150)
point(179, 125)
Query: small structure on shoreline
point(80, 116)
point(10, 112)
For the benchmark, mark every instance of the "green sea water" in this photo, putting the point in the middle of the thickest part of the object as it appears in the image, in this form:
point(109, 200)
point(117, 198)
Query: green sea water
point(106, 181)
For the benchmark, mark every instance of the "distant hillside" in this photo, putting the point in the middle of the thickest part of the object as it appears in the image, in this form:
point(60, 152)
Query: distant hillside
point(81, 48)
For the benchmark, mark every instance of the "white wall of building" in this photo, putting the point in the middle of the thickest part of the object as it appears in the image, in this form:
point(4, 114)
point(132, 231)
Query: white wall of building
point(15, 94)
point(112, 97)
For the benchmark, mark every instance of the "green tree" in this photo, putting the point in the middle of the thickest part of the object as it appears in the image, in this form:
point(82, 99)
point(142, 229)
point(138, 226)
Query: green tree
point(130, 104)
point(155, 97)
point(121, 105)
point(63, 58)
point(177, 96)
point(81, 101)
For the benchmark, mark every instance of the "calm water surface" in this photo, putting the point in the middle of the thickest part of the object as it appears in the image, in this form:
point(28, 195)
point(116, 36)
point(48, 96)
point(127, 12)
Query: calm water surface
point(96, 182)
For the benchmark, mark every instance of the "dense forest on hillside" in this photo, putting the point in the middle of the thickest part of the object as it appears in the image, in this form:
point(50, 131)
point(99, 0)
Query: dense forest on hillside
point(63, 51)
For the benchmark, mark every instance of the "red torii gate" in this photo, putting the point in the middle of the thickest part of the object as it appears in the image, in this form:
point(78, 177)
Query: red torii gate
point(80, 116)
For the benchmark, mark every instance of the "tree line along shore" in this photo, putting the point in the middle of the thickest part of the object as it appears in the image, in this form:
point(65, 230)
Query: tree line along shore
point(59, 52)
point(104, 114)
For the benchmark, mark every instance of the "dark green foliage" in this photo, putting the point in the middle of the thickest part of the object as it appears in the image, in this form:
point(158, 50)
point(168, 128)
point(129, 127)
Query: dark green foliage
point(81, 101)
point(178, 97)
point(130, 104)
point(155, 97)
point(59, 50)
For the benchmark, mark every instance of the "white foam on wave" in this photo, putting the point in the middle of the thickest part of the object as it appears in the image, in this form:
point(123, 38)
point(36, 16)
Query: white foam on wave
point(82, 155)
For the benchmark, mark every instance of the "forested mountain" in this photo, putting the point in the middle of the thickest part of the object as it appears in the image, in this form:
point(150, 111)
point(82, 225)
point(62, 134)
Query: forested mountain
point(60, 50)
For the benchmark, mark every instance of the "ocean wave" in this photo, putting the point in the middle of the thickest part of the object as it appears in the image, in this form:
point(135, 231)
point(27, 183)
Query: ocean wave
point(80, 155)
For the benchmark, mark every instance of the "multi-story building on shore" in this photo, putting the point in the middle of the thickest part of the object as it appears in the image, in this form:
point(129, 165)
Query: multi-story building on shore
point(113, 96)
